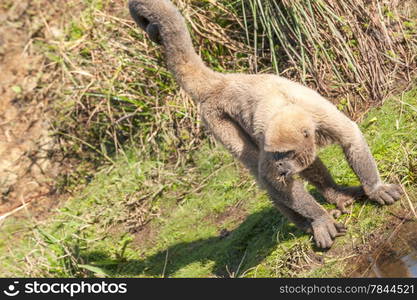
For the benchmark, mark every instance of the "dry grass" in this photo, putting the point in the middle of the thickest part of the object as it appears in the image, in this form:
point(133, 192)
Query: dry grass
point(354, 51)
point(111, 88)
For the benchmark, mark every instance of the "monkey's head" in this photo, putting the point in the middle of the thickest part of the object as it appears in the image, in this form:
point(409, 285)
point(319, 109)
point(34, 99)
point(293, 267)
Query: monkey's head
point(138, 10)
point(290, 141)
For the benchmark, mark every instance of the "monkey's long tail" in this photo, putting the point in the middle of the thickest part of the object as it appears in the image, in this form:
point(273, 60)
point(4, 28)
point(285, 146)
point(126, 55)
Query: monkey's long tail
point(182, 60)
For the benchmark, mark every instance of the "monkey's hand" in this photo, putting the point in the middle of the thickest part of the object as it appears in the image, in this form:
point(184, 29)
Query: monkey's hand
point(385, 193)
point(343, 196)
point(325, 230)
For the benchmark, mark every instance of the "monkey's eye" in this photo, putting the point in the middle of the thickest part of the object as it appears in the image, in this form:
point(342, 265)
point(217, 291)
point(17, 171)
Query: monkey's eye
point(283, 155)
point(306, 134)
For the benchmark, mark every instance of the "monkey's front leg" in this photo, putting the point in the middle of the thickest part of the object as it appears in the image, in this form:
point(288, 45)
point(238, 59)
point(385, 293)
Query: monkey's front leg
point(319, 176)
point(293, 196)
point(360, 159)
point(243, 148)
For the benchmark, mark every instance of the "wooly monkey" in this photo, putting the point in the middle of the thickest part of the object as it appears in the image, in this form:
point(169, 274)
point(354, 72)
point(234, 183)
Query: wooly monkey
point(274, 126)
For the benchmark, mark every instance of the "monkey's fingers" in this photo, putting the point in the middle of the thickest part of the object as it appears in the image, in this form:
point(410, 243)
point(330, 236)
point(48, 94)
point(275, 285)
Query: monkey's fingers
point(341, 229)
point(337, 229)
point(325, 230)
point(395, 191)
point(331, 229)
point(335, 213)
point(341, 208)
point(322, 238)
point(386, 197)
point(341, 205)
point(326, 233)
point(387, 194)
point(377, 197)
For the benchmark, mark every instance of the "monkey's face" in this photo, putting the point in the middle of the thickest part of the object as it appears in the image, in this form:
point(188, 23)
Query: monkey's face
point(284, 163)
point(290, 143)
point(288, 163)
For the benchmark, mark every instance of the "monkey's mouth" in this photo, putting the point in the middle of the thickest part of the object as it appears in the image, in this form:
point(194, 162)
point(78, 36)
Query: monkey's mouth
point(284, 176)
point(282, 180)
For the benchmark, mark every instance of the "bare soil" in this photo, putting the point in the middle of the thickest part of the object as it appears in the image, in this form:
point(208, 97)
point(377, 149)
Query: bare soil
point(390, 251)
point(25, 141)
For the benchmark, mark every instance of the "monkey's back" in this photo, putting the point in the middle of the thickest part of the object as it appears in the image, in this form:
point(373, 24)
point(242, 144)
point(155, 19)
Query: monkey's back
point(252, 100)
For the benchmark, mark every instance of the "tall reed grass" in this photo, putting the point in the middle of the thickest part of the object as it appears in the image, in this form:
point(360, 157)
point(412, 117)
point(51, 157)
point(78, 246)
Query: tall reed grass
point(359, 49)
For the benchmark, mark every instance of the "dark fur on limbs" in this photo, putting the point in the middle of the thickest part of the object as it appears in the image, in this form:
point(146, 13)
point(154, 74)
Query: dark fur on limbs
point(273, 125)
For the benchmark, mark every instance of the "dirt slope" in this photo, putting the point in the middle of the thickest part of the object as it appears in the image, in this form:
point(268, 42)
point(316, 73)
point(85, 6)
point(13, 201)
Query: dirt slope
point(25, 142)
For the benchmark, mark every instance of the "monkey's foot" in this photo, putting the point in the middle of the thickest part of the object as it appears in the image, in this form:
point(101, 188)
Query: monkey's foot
point(343, 197)
point(385, 193)
point(325, 230)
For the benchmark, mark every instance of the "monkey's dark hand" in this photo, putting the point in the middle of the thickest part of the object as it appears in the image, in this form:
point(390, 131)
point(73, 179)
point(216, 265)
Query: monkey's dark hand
point(385, 193)
point(325, 230)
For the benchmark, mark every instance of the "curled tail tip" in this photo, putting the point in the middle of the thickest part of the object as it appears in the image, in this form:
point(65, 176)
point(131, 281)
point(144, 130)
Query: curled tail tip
point(133, 6)
point(134, 9)
point(132, 3)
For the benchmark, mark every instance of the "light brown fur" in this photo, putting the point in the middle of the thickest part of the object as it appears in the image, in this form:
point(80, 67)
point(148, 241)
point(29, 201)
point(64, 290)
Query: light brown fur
point(272, 125)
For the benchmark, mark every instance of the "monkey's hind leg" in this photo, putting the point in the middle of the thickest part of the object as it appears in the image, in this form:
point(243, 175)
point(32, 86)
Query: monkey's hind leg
point(318, 175)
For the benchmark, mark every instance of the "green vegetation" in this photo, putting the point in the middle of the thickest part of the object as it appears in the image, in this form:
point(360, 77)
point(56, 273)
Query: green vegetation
point(149, 194)
point(141, 217)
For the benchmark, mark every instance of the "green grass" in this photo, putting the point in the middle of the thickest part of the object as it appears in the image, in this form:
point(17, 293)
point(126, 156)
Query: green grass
point(165, 200)
point(206, 218)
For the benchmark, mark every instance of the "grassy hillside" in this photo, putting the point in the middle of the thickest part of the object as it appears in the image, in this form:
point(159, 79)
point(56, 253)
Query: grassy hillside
point(141, 217)
point(144, 190)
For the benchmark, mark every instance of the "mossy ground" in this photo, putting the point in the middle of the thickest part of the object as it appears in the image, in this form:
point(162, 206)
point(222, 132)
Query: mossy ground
point(149, 194)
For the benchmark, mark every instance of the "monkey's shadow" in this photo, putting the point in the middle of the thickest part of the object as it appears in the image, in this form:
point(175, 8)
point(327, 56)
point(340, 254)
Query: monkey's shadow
point(229, 254)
